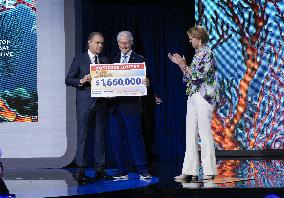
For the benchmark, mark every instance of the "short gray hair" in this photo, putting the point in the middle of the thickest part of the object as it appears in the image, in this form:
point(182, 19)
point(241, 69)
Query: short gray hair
point(93, 34)
point(127, 34)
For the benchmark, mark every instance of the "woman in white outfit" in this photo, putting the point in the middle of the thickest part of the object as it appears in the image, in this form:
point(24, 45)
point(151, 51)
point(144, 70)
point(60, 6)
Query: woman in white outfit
point(202, 96)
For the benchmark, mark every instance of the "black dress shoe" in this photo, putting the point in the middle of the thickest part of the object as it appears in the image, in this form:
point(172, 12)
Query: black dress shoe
point(80, 176)
point(102, 175)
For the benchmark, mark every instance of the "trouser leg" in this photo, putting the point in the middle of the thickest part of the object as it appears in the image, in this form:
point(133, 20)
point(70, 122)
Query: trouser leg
point(191, 158)
point(116, 139)
point(204, 114)
point(135, 141)
point(99, 141)
point(82, 130)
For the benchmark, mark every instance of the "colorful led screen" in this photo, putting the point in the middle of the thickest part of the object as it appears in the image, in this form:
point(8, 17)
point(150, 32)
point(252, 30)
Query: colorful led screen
point(18, 61)
point(247, 37)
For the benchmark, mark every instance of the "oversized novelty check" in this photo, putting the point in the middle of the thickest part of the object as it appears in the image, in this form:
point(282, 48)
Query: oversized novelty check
point(120, 79)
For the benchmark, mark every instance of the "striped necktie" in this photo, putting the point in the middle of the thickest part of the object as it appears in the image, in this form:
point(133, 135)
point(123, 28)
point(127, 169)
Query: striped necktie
point(124, 60)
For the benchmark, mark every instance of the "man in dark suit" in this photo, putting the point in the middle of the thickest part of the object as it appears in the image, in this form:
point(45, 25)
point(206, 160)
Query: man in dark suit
point(91, 112)
point(125, 117)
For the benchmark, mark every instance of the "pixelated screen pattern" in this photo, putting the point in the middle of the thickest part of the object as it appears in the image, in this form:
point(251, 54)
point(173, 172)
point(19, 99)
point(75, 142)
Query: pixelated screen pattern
point(264, 172)
point(247, 38)
point(18, 61)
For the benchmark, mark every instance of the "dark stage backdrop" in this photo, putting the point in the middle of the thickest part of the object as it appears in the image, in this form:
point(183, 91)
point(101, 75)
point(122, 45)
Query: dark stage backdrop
point(157, 30)
point(160, 28)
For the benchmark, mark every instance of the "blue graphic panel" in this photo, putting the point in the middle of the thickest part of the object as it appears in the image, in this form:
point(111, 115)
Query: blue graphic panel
point(248, 40)
point(18, 61)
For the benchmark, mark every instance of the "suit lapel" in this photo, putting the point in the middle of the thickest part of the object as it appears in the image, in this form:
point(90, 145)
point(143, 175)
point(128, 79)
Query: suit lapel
point(87, 59)
point(132, 58)
point(86, 62)
point(102, 59)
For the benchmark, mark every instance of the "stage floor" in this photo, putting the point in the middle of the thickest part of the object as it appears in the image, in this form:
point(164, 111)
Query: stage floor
point(236, 178)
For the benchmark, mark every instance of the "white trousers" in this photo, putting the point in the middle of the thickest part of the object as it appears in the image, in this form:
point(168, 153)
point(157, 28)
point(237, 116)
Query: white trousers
point(198, 121)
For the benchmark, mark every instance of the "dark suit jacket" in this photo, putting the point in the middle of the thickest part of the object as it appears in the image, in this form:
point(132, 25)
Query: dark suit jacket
point(130, 105)
point(79, 68)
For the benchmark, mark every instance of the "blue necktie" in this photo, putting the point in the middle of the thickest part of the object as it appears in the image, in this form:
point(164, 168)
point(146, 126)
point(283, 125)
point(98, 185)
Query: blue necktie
point(124, 60)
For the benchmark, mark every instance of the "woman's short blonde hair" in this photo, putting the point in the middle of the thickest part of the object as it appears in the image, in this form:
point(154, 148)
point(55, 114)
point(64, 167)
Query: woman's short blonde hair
point(199, 32)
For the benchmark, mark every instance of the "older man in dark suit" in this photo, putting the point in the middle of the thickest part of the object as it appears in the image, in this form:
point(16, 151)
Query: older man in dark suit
point(125, 117)
point(91, 112)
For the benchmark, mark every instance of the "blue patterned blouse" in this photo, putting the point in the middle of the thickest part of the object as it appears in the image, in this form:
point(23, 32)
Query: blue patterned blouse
point(203, 77)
